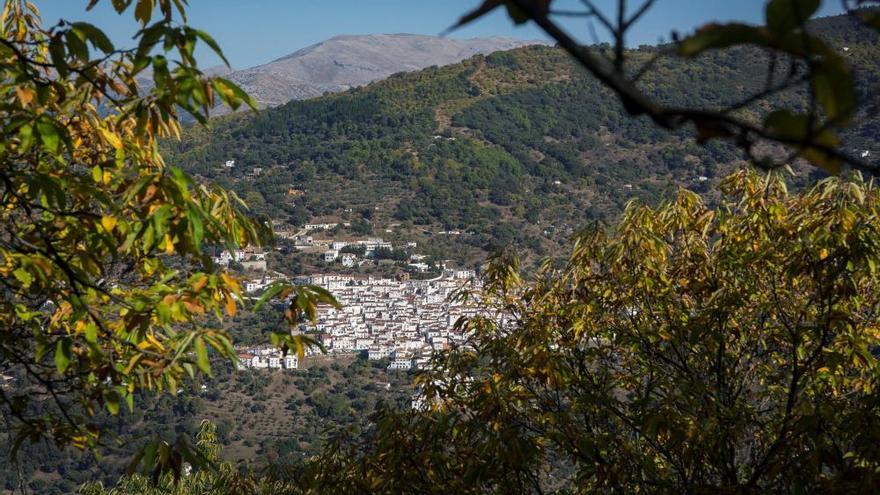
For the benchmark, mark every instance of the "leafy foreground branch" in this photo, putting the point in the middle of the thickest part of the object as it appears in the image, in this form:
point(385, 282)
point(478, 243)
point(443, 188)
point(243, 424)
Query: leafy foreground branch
point(690, 351)
point(107, 289)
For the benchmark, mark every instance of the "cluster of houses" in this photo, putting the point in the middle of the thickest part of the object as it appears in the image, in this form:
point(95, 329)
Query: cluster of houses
point(369, 246)
point(400, 320)
point(333, 250)
point(250, 258)
point(403, 321)
point(266, 357)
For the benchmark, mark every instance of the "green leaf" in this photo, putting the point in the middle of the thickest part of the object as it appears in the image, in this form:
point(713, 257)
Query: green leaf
point(834, 88)
point(231, 94)
point(111, 401)
point(97, 174)
point(144, 11)
point(270, 293)
point(715, 36)
point(62, 355)
point(196, 227)
point(91, 333)
point(212, 43)
point(26, 137)
point(49, 136)
point(23, 276)
point(810, 143)
point(97, 37)
point(57, 53)
point(76, 46)
point(786, 15)
point(202, 356)
point(161, 219)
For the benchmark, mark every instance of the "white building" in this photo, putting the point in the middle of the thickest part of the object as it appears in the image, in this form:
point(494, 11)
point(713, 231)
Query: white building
point(266, 357)
point(320, 226)
point(420, 267)
point(291, 362)
point(255, 285)
point(348, 260)
point(330, 255)
point(376, 353)
point(401, 363)
point(460, 274)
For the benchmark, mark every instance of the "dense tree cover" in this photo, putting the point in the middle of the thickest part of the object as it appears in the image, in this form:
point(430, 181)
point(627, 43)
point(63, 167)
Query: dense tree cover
point(107, 289)
point(223, 479)
point(797, 61)
point(690, 350)
point(264, 419)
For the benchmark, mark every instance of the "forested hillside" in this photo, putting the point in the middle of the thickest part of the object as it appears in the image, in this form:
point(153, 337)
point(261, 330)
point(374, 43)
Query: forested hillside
point(515, 148)
point(263, 418)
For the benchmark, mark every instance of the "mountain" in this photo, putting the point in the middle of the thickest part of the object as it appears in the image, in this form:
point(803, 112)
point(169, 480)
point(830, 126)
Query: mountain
point(344, 62)
point(519, 147)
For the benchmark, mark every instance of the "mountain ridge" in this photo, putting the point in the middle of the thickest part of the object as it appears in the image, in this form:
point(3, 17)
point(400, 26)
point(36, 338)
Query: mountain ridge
point(346, 61)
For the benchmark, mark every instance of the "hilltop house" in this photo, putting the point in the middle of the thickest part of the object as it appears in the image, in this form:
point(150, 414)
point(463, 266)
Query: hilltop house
point(267, 358)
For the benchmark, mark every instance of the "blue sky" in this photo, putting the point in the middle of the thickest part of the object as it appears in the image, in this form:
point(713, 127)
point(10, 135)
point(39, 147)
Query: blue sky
point(252, 32)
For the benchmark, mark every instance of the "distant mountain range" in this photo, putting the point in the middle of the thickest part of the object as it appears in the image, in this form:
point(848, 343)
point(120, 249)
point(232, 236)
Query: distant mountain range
point(344, 62)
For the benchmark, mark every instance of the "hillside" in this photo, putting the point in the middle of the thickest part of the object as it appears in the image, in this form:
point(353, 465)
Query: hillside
point(518, 147)
point(344, 62)
point(262, 416)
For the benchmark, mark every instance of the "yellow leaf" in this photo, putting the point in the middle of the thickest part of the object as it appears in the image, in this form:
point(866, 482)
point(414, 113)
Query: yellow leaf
point(230, 282)
point(25, 95)
point(155, 342)
point(108, 222)
point(230, 305)
point(200, 283)
point(169, 245)
point(194, 306)
point(823, 253)
point(111, 137)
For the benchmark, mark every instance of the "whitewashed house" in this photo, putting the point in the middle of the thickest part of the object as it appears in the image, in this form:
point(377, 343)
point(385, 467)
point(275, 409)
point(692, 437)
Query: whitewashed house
point(291, 362)
point(401, 363)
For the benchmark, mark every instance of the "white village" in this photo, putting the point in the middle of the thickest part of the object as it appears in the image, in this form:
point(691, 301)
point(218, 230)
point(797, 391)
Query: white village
point(399, 319)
